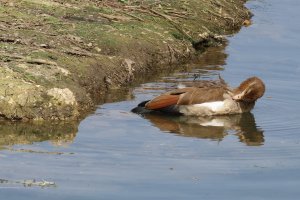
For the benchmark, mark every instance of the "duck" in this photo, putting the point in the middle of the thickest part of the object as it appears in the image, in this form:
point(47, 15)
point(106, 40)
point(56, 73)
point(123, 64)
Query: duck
point(206, 98)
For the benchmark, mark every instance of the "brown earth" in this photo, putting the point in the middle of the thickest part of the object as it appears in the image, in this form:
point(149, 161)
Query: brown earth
point(58, 57)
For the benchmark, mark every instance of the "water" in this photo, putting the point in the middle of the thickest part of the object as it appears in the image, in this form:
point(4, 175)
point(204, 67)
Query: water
point(115, 154)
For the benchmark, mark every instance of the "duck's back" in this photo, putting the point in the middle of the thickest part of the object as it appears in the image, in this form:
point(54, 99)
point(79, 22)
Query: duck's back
point(202, 95)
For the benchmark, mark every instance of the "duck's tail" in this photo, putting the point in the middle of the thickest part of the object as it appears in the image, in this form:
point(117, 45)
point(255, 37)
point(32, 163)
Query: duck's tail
point(140, 109)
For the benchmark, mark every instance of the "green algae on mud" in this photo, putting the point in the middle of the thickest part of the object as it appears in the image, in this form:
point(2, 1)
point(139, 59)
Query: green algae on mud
point(58, 57)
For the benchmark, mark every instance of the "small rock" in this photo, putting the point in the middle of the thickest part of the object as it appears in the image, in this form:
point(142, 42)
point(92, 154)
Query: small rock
point(46, 46)
point(64, 71)
point(64, 96)
point(23, 66)
point(247, 22)
point(129, 65)
point(107, 80)
point(75, 38)
point(204, 35)
point(98, 49)
point(44, 15)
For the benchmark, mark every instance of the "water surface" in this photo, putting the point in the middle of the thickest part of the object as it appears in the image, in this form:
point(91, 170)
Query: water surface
point(116, 154)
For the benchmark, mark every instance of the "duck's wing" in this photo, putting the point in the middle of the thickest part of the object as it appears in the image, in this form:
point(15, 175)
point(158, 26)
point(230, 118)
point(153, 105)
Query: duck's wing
point(202, 95)
point(186, 96)
point(168, 99)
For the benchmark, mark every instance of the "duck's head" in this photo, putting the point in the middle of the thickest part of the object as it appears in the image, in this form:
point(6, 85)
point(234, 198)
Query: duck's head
point(249, 90)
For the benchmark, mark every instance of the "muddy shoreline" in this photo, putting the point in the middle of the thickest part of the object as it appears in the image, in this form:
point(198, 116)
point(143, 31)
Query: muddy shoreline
point(59, 58)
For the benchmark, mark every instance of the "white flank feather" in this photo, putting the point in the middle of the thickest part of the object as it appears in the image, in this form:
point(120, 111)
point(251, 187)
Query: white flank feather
point(214, 106)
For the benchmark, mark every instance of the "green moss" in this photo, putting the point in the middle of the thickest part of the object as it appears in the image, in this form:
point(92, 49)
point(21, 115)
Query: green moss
point(41, 55)
point(48, 19)
point(89, 31)
point(177, 35)
point(2, 10)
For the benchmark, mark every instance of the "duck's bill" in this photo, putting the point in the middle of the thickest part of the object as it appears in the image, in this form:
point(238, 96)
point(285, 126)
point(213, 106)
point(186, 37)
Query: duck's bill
point(239, 96)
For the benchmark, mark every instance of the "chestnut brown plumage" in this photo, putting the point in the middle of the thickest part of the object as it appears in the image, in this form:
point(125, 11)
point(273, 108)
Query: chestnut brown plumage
point(249, 90)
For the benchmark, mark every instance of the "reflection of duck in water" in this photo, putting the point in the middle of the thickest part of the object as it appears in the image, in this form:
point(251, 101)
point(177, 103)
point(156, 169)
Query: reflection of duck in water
point(207, 99)
point(211, 127)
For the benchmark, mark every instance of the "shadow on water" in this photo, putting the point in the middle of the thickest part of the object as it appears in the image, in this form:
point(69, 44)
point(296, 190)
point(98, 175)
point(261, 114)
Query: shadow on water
point(57, 133)
point(20, 133)
point(214, 127)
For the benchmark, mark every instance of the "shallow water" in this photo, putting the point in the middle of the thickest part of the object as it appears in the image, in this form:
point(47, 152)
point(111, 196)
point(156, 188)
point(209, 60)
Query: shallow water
point(115, 154)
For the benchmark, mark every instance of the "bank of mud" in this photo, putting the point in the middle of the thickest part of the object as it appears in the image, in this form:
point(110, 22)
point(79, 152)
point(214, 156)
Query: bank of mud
point(58, 57)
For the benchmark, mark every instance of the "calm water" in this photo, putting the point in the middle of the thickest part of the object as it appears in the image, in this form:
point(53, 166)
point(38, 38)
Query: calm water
point(115, 154)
